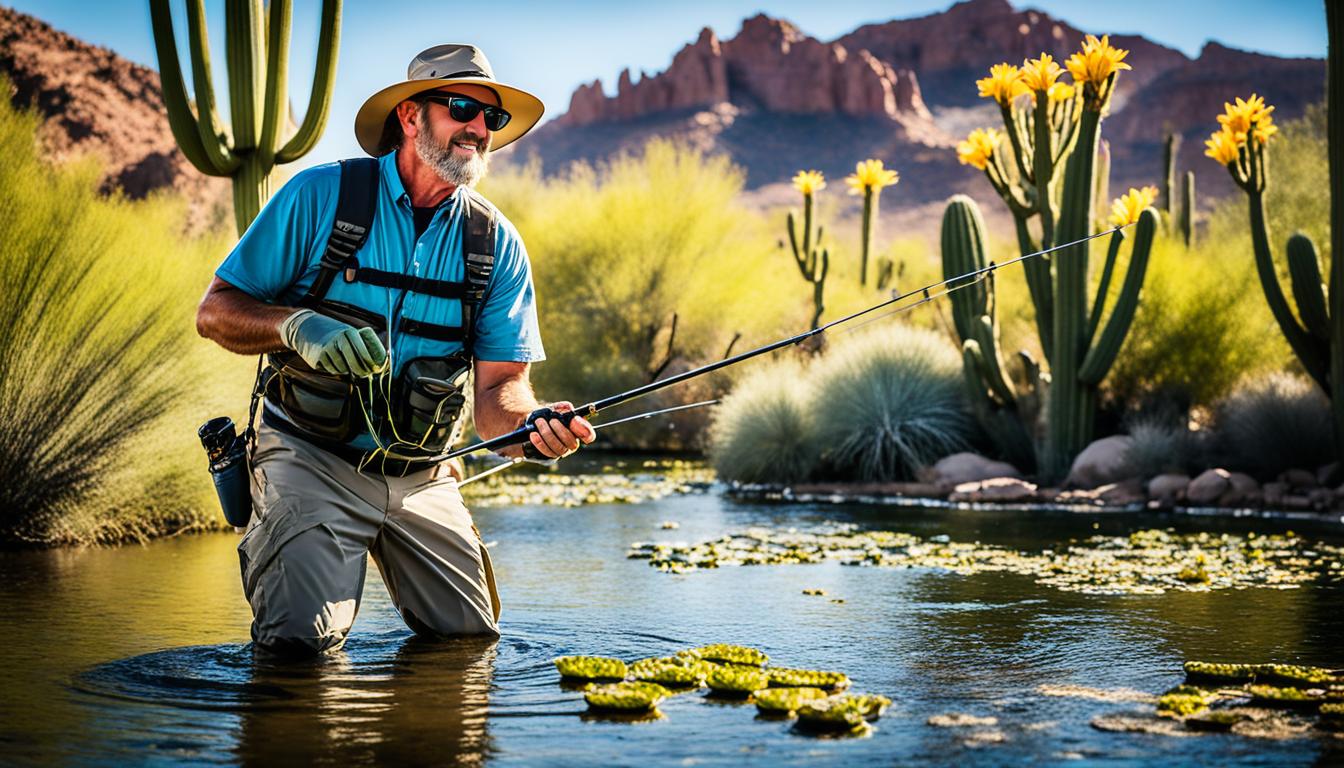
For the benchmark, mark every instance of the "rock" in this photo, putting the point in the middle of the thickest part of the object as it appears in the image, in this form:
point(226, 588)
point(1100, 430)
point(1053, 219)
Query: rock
point(1321, 498)
point(960, 720)
point(1330, 474)
point(1209, 487)
point(1243, 491)
point(1273, 494)
point(1168, 489)
point(965, 467)
point(1299, 479)
point(1123, 493)
point(997, 490)
point(1102, 462)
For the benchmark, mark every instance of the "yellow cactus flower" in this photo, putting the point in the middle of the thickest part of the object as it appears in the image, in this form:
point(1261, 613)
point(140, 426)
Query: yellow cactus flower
point(1097, 61)
point(1060, 92)
point(978, 148)
point(1125, 209)
point(1040, 74)
point(869, 174)
point(809, 182)
point(1222, 146)
point(1239, 117)
point(1003, 84)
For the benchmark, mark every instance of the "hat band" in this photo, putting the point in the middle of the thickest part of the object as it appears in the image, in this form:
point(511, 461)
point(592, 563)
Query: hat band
point(466, 73)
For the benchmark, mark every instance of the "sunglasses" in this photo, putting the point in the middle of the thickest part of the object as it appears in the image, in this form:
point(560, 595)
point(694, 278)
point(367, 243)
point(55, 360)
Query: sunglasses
point(464, 109)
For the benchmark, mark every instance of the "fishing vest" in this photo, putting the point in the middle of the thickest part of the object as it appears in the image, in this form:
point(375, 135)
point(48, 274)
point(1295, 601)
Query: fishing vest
point(417, 416)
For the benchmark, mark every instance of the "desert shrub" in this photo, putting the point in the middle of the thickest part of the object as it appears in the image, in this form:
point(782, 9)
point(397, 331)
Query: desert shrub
point(1268, 425)
point(620, 248)
point(762, 431)
point(1161, 446)
point(95, 336)
point(891, 401)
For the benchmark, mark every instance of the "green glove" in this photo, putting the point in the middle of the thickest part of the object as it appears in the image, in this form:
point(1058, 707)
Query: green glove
point(332, 346)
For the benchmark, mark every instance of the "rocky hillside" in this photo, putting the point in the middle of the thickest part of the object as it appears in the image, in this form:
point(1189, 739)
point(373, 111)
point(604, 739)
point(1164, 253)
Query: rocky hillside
point(777, 100)
point(96, 102)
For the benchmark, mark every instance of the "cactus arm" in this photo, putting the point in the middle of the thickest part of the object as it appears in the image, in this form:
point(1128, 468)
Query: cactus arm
point(1101, 356)
point(1038, 284)
point(242, 29)
point(1170, 148)
point(867, 234)
point(324, 78)
point(1043, 171)
point(991, 365)
point(1015, 138)
point(1104, 287)
point(275, 102)
point(1188, 210)
point(807, 224)
point(1102, 189)
point(181, 117)
point(1310, 351)
point(1304, 272)
point(214, 138)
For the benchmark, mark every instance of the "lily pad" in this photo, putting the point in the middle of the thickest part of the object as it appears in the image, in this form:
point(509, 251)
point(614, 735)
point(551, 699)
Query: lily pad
point(783, 677)
point(590, 667)
point(626, 696)
point(1271, 696)
point(668, 672)
point(737, 680)
point(785, 701)
point(734, 654)
point(849, 712)
point(1184, 700)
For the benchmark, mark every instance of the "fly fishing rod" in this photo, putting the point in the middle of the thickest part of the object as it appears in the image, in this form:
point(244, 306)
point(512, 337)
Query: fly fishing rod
point(637, 417)
point(523, 433)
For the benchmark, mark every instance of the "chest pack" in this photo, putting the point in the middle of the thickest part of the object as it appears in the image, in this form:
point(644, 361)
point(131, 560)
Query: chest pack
point(416, 415)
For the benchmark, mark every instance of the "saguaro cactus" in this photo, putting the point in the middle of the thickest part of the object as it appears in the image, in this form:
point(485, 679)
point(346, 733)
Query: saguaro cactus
point(1316, 332)
point(813, 261)
point(1188, 210)
point(257, 58)
point(993, 397)
point(1171, 147)
point(868, 179)
point(1048, 173)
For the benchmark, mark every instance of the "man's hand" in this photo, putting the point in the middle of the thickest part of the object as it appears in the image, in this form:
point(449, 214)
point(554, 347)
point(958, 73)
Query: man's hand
point(553, 439)
point(330, 345)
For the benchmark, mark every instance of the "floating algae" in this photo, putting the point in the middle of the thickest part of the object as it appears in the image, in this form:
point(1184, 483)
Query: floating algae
point(590, 667)
point(807, 678)
point(626, 696)
point(1183, 701)
point(785, 701)
point(660, 479)
point(1273, 674)
point(1271, 696)
point(669, 672)
point(1146, 562)
point(1209, 672)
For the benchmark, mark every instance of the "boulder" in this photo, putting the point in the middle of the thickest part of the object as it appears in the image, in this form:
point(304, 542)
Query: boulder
point(1209, 487)
point(1273, 494)
point(1299, 479)
point(1168, 489)
point(997, 490)
point(1243, 491)
point(1123, 493)
point(965, 467)
point(1102, 462)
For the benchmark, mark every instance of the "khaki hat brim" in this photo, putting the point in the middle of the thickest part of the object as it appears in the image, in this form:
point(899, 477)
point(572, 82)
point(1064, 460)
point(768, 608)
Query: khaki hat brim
point(525, 108)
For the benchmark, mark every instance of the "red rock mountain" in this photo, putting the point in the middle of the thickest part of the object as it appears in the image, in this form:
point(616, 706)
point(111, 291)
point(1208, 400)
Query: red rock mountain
point(96, 102)
point(777, 100)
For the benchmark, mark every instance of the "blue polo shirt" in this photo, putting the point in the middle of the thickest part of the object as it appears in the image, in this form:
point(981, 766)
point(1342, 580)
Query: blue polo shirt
point(277, 260)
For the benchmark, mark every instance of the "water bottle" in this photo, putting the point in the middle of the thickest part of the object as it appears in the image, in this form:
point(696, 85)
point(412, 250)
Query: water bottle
point(227, 452)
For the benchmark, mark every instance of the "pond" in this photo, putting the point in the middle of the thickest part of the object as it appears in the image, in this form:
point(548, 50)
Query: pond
point(138, 654)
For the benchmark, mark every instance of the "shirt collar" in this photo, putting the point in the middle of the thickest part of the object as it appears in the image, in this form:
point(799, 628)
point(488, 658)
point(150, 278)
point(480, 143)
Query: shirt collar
point(392, 179)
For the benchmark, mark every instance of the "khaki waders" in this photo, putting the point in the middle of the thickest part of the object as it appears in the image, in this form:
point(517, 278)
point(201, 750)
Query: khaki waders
point(315, 520)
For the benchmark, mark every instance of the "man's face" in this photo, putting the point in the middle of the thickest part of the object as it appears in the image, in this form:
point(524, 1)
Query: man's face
point(455, 150)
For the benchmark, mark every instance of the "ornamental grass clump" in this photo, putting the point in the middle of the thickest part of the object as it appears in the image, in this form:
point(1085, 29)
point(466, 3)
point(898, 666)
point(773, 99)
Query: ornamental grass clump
point(893, 402)
point(762, 431)
point(1269, 425)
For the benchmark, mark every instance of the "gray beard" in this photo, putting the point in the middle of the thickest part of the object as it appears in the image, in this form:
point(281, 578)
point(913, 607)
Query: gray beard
point(451, 167)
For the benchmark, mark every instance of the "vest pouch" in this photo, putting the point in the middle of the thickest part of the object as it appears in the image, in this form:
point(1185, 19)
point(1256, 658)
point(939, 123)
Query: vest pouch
point(323, 405)
point(431, 393)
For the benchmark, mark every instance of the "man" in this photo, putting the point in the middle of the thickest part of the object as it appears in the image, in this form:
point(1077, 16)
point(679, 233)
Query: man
point(362, 391)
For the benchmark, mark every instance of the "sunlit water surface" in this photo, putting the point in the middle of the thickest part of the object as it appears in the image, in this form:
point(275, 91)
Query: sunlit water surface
point(138, 655)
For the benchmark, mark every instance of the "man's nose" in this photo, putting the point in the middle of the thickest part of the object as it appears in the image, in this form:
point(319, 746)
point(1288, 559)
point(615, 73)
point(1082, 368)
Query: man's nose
point(476, 126)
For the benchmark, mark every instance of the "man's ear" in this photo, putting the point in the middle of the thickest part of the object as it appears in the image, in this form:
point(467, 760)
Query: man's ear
point(406, 114)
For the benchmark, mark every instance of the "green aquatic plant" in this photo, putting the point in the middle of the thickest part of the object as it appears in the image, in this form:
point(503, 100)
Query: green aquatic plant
point(737, 680)
point(1215, 720)
point(733, 654)
point(626, 696)
point(785, 701)
point(1274, 696)
point(590, 667)
point(808, 678)
point(849, 712)
point(668, 672)
point(1294, 675)
point(1332, 714)
point(1211, 672)
point(1183, 700)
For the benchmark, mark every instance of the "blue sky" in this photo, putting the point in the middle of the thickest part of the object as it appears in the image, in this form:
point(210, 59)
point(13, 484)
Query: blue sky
point(551, 47)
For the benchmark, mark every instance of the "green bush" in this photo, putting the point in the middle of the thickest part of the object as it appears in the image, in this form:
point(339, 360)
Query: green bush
point(891, 401)
point(1160, 447)
point(762, 432)
point(1268, 425)
point(619, 249)
point(95, 341)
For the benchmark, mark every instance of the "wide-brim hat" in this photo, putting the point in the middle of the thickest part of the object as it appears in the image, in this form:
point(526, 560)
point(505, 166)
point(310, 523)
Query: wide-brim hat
point(437, 67)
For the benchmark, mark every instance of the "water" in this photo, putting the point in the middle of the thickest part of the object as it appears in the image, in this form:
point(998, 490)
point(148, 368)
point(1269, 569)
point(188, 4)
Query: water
point(138, 655)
